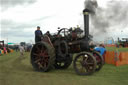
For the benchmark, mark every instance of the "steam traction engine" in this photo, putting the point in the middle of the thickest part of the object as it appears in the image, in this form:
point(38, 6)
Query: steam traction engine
point(56, 51)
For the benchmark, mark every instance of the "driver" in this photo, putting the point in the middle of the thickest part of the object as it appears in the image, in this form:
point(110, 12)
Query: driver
point(38, 34)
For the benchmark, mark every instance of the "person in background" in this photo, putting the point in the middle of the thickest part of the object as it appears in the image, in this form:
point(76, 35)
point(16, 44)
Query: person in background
point(38, 34)
point(5, 50)
point(100, 49)
point(21, 48)
point(25, 48)
point(16, 48)
point(0, 52)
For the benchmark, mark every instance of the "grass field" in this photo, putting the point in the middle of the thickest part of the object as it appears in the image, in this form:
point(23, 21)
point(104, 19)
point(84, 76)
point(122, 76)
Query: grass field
point(118, 49)
point(19, 71)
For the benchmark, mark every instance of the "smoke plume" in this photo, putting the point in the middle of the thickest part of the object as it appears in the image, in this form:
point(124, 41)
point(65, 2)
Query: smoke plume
point(91, 5)
point(113, 17)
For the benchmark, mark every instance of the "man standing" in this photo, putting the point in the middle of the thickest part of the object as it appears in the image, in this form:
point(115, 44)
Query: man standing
point(21, 48)
point(38, 34)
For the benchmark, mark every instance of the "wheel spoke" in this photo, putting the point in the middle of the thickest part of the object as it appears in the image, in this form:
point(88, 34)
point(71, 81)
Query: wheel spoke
point(42, 47)
point(38, 50)
point(46, 60)
point(41, 57)
point(36, 54)
point(87, 68)
point(99, 60)
point(86, 58)
point(44, 53)
point(89, 63)
point(44, 64)
point(40, 66)
point(37, 61)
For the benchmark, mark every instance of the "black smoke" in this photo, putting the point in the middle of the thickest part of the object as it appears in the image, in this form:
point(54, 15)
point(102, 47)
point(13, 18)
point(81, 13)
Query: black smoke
point(91, 5)
point(113, 17)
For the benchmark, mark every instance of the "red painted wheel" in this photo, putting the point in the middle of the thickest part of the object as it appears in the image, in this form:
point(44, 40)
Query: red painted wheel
point(99, 60)
point(42, 57)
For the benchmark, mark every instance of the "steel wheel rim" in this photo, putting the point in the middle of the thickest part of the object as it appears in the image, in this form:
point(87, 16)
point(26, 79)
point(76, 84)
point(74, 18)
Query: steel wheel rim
point(40, 56)
point(99, 61)
point(85, 63)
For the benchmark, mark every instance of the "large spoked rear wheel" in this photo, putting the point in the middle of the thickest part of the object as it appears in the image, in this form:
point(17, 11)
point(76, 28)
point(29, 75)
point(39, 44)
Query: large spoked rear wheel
point(42, 57)
point(99, 60)
point(84, 63)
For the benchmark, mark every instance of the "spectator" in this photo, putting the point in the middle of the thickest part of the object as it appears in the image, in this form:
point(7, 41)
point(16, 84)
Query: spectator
point(100, 49)
point(16, 48)
point(21, 48)
point(5, 50)
point(0, 52)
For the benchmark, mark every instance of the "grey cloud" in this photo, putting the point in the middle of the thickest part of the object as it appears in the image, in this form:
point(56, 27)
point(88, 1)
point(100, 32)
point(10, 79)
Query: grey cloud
point(5, 4)
point(5, 24)
point(46, 17)
point(118, 13)
point(13, 29)
point(18, 34)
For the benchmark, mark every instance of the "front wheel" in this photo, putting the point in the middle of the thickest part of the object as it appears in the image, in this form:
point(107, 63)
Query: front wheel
point(84, 63)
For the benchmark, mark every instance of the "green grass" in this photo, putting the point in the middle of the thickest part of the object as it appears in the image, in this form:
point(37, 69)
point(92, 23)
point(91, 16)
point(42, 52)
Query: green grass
point(119, 49)
point(19, 71)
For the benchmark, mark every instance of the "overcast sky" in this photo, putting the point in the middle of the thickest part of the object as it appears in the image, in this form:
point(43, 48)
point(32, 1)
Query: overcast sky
point(19, 18)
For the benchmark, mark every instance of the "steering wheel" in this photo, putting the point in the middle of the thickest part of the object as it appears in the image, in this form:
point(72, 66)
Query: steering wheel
point(64, 32)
